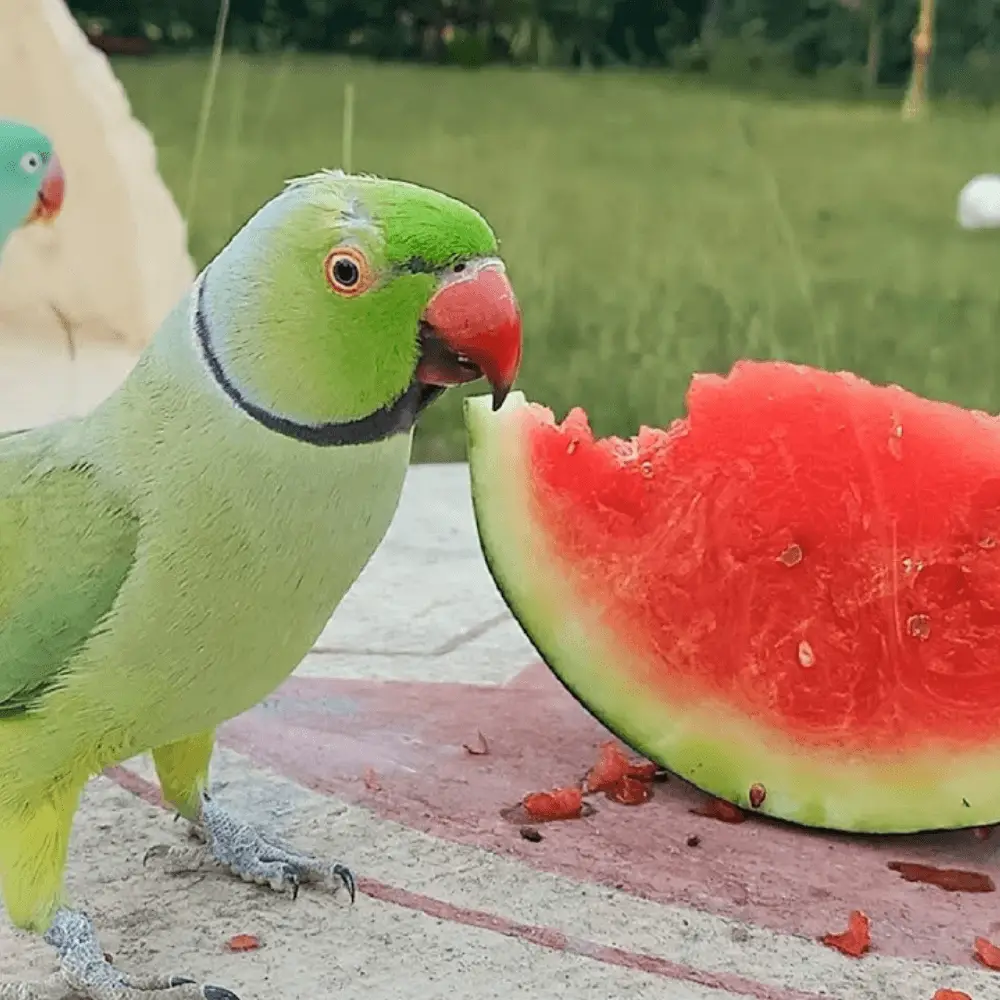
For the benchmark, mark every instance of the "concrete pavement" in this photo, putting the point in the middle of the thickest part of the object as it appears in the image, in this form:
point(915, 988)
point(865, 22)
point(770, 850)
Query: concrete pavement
point(359, 758)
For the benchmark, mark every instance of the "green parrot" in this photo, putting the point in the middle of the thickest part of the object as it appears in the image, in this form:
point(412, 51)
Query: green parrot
point(167, 560)
point(32, 183)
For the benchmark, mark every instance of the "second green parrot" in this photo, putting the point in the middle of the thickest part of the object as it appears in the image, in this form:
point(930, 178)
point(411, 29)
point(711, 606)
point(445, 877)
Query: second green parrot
point(32, 183)
point(169, 559)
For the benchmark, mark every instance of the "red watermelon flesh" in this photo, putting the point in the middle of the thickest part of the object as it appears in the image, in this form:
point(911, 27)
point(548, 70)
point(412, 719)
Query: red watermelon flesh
point(797, 587)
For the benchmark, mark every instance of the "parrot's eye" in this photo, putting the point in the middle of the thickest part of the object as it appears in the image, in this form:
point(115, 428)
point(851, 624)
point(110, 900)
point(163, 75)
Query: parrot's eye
point(348, 271)
point(30, 162)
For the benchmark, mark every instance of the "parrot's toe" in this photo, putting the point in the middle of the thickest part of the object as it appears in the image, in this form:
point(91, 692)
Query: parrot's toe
point(177, 860)
point(168, 988)
point(347, 879)
point(54, 988)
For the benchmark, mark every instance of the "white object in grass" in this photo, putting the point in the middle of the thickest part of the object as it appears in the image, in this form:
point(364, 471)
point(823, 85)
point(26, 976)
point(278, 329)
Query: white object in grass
point(979, 203)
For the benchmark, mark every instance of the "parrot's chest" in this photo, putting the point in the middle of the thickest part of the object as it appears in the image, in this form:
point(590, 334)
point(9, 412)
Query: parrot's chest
point(258, 564)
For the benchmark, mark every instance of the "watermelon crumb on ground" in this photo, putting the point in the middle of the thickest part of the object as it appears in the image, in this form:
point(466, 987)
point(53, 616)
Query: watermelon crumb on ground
point(795, 589)
point(856, 940)
point(987, 953)
point(949, 879)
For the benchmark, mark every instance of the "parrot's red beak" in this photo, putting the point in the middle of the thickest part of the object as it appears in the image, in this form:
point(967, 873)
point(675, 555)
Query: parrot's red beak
point(50, 197)
point(472, 329)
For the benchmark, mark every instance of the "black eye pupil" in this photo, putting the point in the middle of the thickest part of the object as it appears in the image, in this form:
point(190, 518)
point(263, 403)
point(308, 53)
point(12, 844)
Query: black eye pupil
point(346, 272)
point(459, 268)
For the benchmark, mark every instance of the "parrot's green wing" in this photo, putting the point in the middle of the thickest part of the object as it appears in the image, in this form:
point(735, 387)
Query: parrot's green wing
point(67, 544)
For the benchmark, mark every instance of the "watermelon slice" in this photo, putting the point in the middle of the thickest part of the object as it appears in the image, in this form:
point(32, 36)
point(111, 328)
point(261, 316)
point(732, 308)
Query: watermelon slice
point(791, 598)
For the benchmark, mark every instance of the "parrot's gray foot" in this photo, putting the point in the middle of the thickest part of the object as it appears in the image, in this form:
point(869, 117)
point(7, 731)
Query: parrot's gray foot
point(247, 853)
point(86, 973)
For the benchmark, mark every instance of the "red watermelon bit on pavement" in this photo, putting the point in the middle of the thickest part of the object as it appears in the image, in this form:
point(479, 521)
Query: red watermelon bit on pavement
point(549, 807)
point(627, 782)
point(951, 995)
point(790, 598)
point(856, 940)
point(949, 879)
point(611, 767)
point(243, 942)
point(631, 792)
point(721, 810)
point(986, 953)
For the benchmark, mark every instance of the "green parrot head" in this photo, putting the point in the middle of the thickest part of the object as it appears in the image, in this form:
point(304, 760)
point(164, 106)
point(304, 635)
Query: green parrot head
point(32, 185)
point(348, 303)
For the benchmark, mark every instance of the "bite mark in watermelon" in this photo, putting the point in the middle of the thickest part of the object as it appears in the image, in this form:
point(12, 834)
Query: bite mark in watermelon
point(796, 588)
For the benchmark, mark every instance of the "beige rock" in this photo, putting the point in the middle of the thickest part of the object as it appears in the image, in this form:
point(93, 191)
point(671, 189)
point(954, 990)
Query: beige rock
point(80, 298)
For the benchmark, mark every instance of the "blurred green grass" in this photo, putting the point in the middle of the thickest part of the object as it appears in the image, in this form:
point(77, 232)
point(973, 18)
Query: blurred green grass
point(652, 228)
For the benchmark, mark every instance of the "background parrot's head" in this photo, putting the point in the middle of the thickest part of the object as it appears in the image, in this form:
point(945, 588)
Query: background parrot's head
point(347, 304)
point(32, 185)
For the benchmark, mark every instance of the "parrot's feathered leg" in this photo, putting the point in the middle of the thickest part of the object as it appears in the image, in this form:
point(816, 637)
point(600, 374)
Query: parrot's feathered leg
point(182, 768)
point(84, 972)
point(34, 838)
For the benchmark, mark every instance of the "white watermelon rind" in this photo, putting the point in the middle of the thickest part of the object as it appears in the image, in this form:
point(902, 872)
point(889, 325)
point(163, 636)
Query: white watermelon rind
point(716, 748)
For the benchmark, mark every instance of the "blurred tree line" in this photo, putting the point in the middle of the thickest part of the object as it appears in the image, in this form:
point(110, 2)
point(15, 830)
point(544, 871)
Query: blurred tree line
point(861, 44)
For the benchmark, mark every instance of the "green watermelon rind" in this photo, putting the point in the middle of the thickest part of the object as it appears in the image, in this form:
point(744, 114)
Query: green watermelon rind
point(717, 749)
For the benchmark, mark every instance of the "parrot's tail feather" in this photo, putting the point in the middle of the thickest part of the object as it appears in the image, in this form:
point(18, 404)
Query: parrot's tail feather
point(34, 837)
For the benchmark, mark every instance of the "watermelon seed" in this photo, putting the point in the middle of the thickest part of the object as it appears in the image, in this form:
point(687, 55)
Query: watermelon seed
point(919, 626)
point(792, 556)
point(571, 447)
point(988, 543)
point(895, 447)
point(757, 795)
point(647, 469)
point(481, 749)
point(806, 656)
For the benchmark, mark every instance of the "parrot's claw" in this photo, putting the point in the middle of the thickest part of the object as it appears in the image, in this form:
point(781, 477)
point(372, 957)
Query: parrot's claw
point(248, 854)
point(86, 973)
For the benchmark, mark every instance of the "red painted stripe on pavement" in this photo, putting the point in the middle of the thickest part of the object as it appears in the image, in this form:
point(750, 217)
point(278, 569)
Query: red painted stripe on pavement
point(548, 937)
point(137, 785)
point(542, 937)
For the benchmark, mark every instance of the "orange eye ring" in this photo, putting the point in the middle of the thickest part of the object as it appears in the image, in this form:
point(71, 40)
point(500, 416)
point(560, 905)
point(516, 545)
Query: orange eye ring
point(348, 272)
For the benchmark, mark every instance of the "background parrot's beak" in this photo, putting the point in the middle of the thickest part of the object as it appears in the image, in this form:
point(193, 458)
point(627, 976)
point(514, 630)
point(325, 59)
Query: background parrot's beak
point(470, 329)
point(50, 197)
